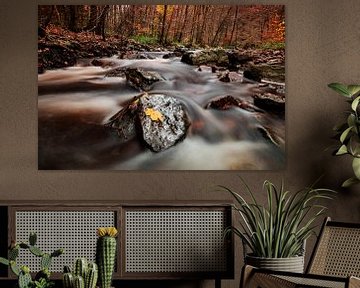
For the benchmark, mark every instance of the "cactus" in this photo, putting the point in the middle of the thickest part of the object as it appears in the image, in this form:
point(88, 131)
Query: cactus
point(36, 251)
point(45, 261)
point(79, 282)
point(68, 280)
point(91, 276)
point(13, 253)
point(87, 272)
point(24, 278)
point(14, 268)
point(32, 238)
point(105, 255)
point(80, 268)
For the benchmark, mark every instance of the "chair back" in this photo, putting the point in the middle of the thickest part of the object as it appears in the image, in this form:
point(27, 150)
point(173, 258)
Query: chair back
point(337, 251)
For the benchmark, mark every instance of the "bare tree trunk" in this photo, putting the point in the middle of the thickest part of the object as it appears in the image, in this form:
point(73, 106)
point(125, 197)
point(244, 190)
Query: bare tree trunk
point(220, 28)
point(161, 40)
point(93, 18)
point(234, 25)
point(184, 23)
point(100, 27)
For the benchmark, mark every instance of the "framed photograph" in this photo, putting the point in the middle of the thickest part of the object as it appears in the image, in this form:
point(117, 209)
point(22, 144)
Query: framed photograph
point(161, 87)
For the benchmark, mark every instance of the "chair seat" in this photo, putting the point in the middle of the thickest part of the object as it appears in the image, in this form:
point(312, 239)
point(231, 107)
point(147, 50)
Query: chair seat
point(315, 281)
point(268, 279)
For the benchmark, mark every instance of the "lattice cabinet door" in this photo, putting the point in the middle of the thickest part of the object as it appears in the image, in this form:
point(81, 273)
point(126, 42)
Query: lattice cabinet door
point(167, 241)
point(73, 229)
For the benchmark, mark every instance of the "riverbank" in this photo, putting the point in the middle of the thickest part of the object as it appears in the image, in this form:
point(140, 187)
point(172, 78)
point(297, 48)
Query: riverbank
point(59, 48)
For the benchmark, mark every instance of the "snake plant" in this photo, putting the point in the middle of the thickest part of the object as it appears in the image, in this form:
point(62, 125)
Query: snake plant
point(279, 228)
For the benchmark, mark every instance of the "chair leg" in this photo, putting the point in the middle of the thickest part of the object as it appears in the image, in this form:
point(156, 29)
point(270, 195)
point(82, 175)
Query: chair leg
point(250, 278)
point(246, 273)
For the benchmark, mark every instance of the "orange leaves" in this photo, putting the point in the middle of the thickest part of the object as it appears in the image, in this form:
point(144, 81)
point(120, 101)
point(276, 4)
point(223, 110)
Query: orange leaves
point(154, 115)
point(276, 30)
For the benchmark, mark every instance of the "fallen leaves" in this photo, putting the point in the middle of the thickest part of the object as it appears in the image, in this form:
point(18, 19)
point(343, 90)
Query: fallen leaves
point(154, 115)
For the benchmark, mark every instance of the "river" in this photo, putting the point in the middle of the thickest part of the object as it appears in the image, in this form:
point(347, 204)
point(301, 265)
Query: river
point(75, 102)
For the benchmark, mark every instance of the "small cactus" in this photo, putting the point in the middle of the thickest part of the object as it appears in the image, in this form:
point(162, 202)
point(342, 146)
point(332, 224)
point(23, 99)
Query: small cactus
point(81, 266)
point(88, 273)
point(106, 254)
point(24, 280)
point(79, 282)
point(91, 276)
point(68, 280)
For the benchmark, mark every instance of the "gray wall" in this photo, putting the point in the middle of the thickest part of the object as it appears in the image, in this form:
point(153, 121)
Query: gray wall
point(322, 46)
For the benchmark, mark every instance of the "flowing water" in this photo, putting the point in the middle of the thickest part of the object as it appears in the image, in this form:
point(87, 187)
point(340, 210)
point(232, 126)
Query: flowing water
point(75, 102)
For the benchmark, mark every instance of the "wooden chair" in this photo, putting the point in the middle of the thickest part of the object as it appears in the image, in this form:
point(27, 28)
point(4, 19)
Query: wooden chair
point(334, 263)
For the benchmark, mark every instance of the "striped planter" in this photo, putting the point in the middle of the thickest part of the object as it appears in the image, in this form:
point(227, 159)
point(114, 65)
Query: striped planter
point(291, 264)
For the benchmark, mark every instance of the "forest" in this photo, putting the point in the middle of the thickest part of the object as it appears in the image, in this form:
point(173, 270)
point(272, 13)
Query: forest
point(220, 25)
point(165, 87)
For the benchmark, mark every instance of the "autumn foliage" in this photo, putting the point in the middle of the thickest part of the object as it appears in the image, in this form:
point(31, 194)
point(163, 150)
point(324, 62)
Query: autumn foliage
point(201, 25)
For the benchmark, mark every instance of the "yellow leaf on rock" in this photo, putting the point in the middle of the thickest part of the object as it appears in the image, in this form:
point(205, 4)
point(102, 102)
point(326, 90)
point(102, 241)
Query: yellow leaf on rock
point(154, 114)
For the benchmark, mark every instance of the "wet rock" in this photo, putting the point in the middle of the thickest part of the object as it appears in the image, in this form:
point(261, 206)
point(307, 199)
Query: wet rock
point(170, 55)
point(118, 72)
point(144, 56)
point(102, 63)
point(158, 120)
point(253, 73)
point(270, 102)
point(141, 79)
point(163, 121)
point(224, 76)
point(228, 102)
point(124, 122)
point(273, 72)
point(227, 76)
point(237, 58)
point(208, 56)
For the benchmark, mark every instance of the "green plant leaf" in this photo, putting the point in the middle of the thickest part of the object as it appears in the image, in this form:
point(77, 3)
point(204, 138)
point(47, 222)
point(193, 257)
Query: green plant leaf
point(345, 134)
point(351, 120)
point(340, 88)
point(355, 103)
point(4, 261)
point(353, 90)
point(349, 182)
point(356, 167)
point(342, 150)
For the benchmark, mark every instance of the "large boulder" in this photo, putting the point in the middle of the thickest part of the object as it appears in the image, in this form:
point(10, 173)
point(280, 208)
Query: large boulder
point(140, 79)
point(158, 120)
point(214, 56)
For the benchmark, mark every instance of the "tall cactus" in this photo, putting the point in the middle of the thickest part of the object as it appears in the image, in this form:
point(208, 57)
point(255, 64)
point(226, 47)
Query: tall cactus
point(106, 254)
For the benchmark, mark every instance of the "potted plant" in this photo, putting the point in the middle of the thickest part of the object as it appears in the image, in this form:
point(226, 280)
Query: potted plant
point(348, 133)
point(42, 278)
point(276, 233)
